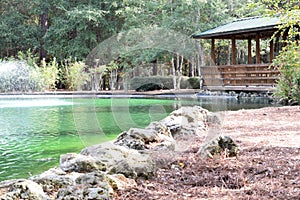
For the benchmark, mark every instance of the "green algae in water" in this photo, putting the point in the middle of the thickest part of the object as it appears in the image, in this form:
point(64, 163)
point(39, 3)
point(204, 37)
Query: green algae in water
point(35, 132)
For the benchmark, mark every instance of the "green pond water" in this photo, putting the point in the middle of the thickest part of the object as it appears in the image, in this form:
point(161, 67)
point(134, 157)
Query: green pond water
point(34, 132)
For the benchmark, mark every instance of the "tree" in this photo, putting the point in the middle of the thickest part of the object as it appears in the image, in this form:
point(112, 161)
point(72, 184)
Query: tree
point(288, 60)
point(63, 29)
point(182, 16)
point(77, 29)
point(18, 29)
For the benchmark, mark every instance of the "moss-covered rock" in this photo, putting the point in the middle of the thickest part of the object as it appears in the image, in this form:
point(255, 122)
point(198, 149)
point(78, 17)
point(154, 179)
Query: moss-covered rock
point(218, 146)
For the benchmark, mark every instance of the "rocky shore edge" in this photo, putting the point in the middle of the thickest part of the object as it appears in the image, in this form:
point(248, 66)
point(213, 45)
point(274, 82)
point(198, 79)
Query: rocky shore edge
point(97, 172)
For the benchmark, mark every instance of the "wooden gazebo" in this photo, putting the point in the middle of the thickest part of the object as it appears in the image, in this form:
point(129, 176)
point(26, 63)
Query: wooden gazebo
point(254, 75)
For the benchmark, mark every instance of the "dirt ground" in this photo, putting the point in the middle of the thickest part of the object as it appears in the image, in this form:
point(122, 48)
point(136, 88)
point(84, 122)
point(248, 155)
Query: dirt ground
point(268, 165)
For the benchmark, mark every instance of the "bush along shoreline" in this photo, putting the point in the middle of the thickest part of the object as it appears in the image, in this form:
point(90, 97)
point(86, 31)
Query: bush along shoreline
point(97, 172)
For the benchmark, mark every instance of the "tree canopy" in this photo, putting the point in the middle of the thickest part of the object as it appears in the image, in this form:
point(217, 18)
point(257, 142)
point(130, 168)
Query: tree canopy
point(73, 28)
point(66, 30)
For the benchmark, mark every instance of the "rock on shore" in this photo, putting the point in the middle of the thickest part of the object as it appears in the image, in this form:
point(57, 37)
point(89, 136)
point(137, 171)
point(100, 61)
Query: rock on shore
point(101, 169)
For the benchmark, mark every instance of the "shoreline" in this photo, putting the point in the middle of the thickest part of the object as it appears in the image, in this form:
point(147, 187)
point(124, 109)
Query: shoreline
point(188, 93)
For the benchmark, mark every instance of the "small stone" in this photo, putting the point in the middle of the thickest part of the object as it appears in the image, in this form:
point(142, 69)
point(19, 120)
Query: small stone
point(218, 145)
point(120, 182)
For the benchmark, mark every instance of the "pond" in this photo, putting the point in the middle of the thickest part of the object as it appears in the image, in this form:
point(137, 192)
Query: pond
point(36, 130)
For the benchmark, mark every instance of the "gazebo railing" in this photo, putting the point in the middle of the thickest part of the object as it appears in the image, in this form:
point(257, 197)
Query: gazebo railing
point(240, 75)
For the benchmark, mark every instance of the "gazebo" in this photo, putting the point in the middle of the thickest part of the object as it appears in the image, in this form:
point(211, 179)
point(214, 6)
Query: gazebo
point(253, 75)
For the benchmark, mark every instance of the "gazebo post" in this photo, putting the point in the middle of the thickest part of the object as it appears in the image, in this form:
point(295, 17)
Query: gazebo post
point(284, 38)
point(276, 45)
point(271, 51)
point(249, 51)
point(213, 54)
point(297, 38)
point(233, 43)
point(257, 49)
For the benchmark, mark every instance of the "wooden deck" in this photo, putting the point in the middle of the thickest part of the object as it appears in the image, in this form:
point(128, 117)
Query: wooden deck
point(254, 77)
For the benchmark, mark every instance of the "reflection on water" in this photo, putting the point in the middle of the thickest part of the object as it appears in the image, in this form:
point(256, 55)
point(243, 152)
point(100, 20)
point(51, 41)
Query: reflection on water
point(35, 132)
point(33, 103)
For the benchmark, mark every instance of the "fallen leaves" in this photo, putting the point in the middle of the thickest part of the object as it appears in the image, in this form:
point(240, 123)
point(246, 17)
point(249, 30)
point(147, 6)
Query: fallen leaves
point(268, 165)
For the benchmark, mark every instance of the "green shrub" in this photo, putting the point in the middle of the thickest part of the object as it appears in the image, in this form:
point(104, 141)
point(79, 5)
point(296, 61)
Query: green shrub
point(288, 62)
point(26, 75)
point(190, 83)
point(164, 82)
point(73, 75)
point(49, 74)
point(194, 83)
point(288, 86)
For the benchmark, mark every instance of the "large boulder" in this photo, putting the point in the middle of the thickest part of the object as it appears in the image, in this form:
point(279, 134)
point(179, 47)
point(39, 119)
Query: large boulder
point(75, 185)
point(55, 178)
point(80, 192)
point(80, 163)
point(136, 138)
point(154, 136)
point(22, 189)
point(191, 121)
point(165, 141)
point(88, 186)
point(122, 160)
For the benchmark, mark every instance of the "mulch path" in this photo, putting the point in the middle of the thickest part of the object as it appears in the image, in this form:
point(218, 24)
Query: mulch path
point(268, 165)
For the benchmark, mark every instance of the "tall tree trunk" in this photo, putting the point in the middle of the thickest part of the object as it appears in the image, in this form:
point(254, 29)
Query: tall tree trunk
point(43, 24)
point(201, 57)
point(174, 73)
point(126, 82)
point(179, 70)
point(104, 82)
point(154, 68)
point(191, 67)
point(200, 62)
point(200, 54)
point(113, 79)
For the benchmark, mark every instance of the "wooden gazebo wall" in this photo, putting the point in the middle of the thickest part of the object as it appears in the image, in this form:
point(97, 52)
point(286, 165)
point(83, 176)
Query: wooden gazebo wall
point(242, 75)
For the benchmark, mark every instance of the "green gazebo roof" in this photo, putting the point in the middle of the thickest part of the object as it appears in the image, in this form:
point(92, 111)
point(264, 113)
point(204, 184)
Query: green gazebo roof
point(243, 28)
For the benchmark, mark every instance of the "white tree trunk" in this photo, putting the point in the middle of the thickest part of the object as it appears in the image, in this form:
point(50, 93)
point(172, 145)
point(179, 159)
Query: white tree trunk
point(179, 70)
point(174, 74)
point(192, 67)
point(200, 62)
point(113, 79)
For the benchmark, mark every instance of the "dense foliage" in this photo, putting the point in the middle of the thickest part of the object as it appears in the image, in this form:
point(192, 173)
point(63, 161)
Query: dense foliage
point(288, 60)
point(73, 28)
point(58, 30)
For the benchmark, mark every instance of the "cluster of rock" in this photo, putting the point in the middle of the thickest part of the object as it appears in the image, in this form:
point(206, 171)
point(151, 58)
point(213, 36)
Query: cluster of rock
point(236, 94)
point(101, 169)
